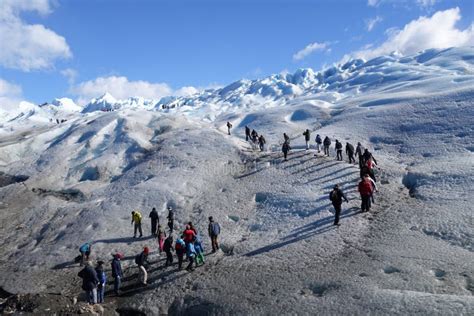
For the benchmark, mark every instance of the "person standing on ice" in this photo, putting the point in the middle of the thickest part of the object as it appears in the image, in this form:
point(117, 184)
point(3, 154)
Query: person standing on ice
point(168, 248)
point(319, 141)
point(365, 189)
point(285, 149)
point(254, 136)
point(89, 282)
point(180, 248)
point(247, 133)
point(199, 250)
point(191, 254)
point(261, 142)
point(85, 251)
point(154, 221)
point(102, 281)
point(336, 196)
point(161, 237)
point(170, 219)
point(327, 144)
point(229, 126)
point(338, 148)
point(137, 223)
point(214, 230)
point(141, 259)
point(350, 152)
point(360, 152)
point(307, 137)
point(368, 156)
point(117, 272)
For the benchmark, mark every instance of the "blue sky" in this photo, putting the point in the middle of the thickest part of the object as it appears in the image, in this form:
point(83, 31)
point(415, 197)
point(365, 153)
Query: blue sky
point(79, 49)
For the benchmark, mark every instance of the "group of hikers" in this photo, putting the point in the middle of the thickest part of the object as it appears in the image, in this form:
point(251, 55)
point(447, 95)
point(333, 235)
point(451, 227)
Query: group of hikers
point(256, 140)
point(367, 163)
point(188, 243)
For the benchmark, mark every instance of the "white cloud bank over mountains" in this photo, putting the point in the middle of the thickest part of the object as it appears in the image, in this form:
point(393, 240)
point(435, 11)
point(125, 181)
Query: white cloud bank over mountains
point(437, 31)
point(309, 49)
point(28, 46)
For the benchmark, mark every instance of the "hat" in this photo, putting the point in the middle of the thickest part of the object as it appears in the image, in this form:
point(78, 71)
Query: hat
point(211, 218)
point(336, 186)
point(100, 262)
point(118, 255)
point(146, 250)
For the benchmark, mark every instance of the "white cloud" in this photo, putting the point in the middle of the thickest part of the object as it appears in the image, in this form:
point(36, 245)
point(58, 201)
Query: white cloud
point(372, 3)
point(10, 95)
point(370, 23)
point(28, 46)
point(70, 74)
point(120, 88)
point(426, 3)
point(309, 49)
point(437, 31)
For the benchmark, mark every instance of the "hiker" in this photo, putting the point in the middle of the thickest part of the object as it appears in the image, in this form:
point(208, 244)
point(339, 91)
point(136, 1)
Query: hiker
point(168, 248)
point(261, 142)
point(307, 137)
point(365, 170)
point(319, 141)
point(365, 189)
point(338, 148)
point(374, 189)
point(247, 133)
point(161, 237)
point(199, 250)
point(285, 149)
point(191, 254)
point(286, 138)
point(137, 223)
point(254, 136)
point(180, 248)
point(350, 152)
point(154, 221)
point(189, 234)
point(229, 126)
point(85, 251)
point(214, 230)
point(360, 151)
point(170, 218)
point(327, 144)
point(336, 196)
point(117, 272)
point(367, 156)
point(102, 281)
point(141, 259)
point(191, 226)
point(89, 282)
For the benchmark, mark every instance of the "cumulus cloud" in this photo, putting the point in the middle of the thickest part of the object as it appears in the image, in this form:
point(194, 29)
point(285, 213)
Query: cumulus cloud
point(70, 74)
point(437, 31)
point(309, 49)
point(10, 95)
point(372, 3)
point(28, 46)
point(120, 87)
point(370, 23)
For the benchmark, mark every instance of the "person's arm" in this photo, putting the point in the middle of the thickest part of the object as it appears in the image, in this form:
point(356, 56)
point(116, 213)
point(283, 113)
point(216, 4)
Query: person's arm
point(344, 196)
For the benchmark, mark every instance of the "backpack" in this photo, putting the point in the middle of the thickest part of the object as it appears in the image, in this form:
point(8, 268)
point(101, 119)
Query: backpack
point(137, 259)
point(333, 195)
point(215, 229)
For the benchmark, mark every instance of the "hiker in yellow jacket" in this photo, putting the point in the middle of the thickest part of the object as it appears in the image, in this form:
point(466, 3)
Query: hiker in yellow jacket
point(137, 220)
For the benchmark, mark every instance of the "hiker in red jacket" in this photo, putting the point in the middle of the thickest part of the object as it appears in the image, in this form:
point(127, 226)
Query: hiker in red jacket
point(365, 189)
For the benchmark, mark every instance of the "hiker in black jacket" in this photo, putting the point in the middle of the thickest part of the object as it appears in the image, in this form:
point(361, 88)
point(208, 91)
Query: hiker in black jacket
point(307, 137)
point(89, 282)
point(154, 221)
point(338, 148)
point(168, 248)
point(117, 272)
point(247, 133)
point(350, 152)
point(327, 144)
point(336, 196)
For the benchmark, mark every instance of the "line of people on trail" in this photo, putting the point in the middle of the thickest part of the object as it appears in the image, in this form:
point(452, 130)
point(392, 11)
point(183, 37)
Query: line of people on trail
point(256, 140)
point(188, 244)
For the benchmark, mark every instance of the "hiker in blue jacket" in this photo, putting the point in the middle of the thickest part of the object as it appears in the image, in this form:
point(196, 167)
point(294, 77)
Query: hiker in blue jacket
point(85, 251)
point(191, 254)
point(102, 281)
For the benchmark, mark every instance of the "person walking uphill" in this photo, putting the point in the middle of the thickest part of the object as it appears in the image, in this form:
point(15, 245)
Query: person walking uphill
point(247, 133)
point(307, 137)
point(89, 282)
point(214, 230)
point(168, 248)
point(366, 190)
point(285, 149)
point(360, 152)
point(261, 142)
point(180, 248)
point(137, 223)
point(327, 144)
point(229, 126)
point(350, 152)
point(154, 221)
point(141, 259)
point(161, 237)
point(319, 141)
point(170, 219)
point(85, 251)
point(338, 148)
point(117, 272)
point(102, 281)
point(336, 196)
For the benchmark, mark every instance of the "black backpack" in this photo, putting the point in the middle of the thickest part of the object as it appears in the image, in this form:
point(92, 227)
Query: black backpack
point(137, 259)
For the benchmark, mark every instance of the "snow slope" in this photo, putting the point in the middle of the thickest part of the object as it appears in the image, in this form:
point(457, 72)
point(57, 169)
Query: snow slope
point(280, 251)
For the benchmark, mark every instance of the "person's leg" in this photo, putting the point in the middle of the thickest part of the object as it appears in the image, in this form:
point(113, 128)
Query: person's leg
point(116, 285)
point(180, 261)
point(140, 229)
point(94, 296)
point(337, 208)
point(135, 228)
point(144, 274)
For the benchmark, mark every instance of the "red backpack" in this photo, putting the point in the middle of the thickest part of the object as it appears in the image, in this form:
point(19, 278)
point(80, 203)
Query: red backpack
point(365, 187)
